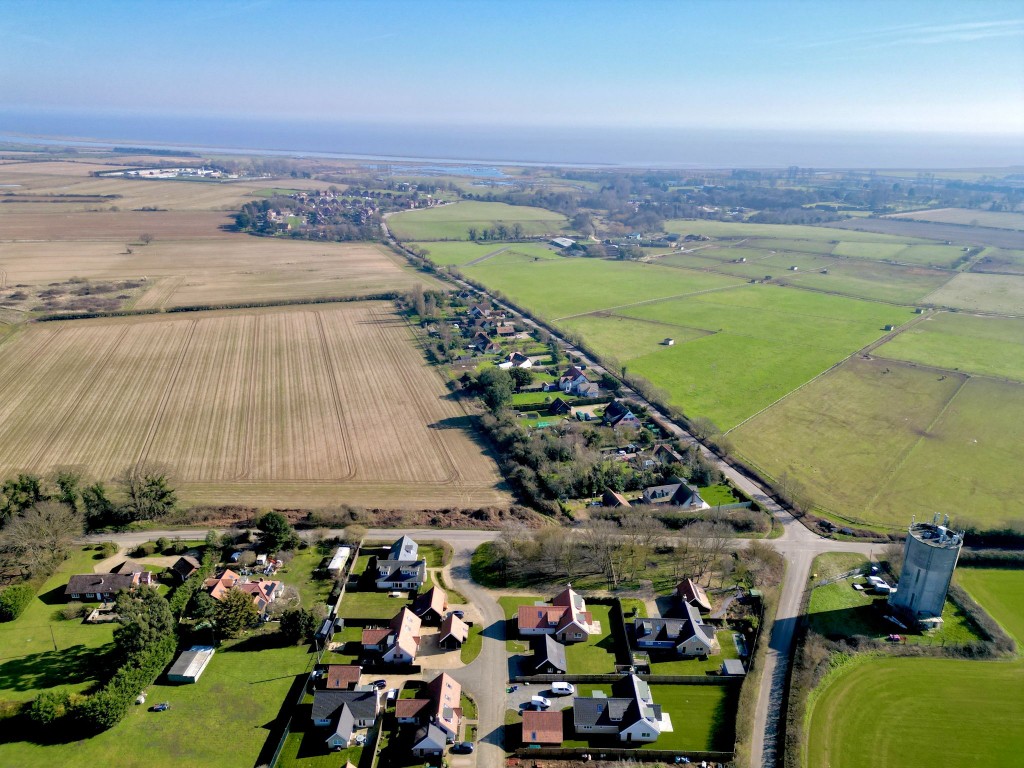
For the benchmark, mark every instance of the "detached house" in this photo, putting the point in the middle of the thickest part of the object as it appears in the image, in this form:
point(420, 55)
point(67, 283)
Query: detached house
point(677, 494)
point(431, 605)
point(548, 656)
point(566, 618)
point(454, 632)
point(629, 713)
point(516, 360)
point(689, 637)
point(344, 712)
point(402, 568)
point(184, 567)
point(263, 591)
point(613, 499)
point(618, 415)
point(439, 714)
point(484, 345)
point(399, 642)
point(104, 586)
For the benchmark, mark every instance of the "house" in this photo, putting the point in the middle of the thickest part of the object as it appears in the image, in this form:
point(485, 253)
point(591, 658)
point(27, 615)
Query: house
point(402, 568)
point(412, 711)
point(732, 668)
point(104, 586)
point(337, 564)
point(571, 379)
point(544, 728)
point(693, 593)
point(566, 617)
point(344, 712)
point(184, 567)
point(618, 415)
point(516, 360)
point(399, 642)
point(478, 312)
point(677, 494)
point(342, 677)
point(666, 455)
point(431, 605)
point(589, 389)
point(613, 499)
point(505, 330)
point(629, 713)
point(263, 591)
point(548, 656)
point(559, 408)
point(454, 632)
point(689, 637)
point(428, 741)
point(190, 664)
point(446, 704)
point(484, 345)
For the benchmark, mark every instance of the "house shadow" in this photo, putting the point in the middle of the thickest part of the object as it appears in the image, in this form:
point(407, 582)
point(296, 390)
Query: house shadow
point(495, 630)
point(55, 596)
point(518, 664)
point(36, 670)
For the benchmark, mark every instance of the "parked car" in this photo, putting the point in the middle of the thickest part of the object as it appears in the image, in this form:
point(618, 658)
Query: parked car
point(563, 689)
point(459, 614)
point(539, 702)
point(162, 707)
point(380, 685)
point(463, 748)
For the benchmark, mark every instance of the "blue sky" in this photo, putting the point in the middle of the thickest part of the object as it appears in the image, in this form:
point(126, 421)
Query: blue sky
point(936, 66)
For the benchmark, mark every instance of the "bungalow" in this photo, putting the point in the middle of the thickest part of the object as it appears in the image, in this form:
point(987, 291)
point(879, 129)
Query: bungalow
point(542, 728)
point(548, 656)
point(411, 711)
point(128, 566)
point(454, 632)
point(629, 713)
point(689, 591)
point(263, 592)
point(104, 586)
point(184, 567)
point(516, 360)
point(618, 415)
point(399, 642)
point(431, 605)
point(559, 407)
point(689, 637)
point(346, 711)
point(677, 494)
point(428, 741)
point(566, 617)
point(613, 499)
point(342, 677)
point(505, 330)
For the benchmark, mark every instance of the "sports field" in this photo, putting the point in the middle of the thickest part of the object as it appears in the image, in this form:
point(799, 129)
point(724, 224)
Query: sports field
point(275, 407)
point(853, 719)
point(912, 441)
point(452, 222)
point(973, 343)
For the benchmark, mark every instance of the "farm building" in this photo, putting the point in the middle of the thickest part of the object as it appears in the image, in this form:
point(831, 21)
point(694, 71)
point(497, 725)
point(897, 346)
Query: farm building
point(190, 664)
point(669, 342)
point(929, 558)
point(563, 242)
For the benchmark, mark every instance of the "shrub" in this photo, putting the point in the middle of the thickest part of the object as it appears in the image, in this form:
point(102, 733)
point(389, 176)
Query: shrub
point(73, 610)
point(108, 548)
point(163, 544)
point(144, 550)
point(49, 706)
point(14, 600)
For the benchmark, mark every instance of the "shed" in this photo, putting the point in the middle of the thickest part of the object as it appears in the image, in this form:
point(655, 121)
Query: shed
point(190, 664)
point(890, 327)
point(669, 342)
point(733, 668)
point(338, 560)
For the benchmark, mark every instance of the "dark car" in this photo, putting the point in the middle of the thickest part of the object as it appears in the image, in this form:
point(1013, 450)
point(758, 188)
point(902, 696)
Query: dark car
point(459, 614)
point(160, 707)
point(462, 748)
point(380, 685)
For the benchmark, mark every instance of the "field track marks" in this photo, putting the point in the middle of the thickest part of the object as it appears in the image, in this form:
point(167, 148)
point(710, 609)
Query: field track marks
point(339, 408)
point(897, 465)
point(486, 256)
point(248, 435)
point(160, 293)
point(165, 396)
point(651, 301)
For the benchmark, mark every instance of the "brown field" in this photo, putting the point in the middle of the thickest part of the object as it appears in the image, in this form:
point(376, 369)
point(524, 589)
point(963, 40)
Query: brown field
point(999, 294)
point(277, 407)
point(966, 216)
point(114, 226)
point(955, 233)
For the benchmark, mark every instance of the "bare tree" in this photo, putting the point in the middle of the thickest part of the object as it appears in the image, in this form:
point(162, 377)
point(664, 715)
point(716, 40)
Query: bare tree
point(40, 537)
point(641, 532)
point(600, 537)
point(709, 541)
point(145, 238)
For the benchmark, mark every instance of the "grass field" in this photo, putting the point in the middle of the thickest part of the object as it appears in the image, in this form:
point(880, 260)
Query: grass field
point(452, 222)
point(1000, 260)
point(461, 252)
point(1002, 294)
point(243, 405)
point(845, 730)
point(241, 691)
point(562, 287)
point(728, 229)
point(913, 441)
point(967, 216)
point(977, 344)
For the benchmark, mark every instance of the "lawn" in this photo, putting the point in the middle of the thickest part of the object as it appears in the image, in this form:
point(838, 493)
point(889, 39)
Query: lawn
point(510, 605)
point(596, 655)
point(668, 664)
point(370, 605)
point(985, 345)
point(717, 494)
point(457, 252)
point(471, 648)
point(222, 720)
point(452, 222)
point(703, 716)
point(299, 574)
point(305, 748)
point(41, 650)
point(556, 288)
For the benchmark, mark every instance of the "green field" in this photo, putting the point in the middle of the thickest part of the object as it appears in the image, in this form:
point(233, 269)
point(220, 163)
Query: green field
point(977, 344)
point(1002, 294)
point(985, 699)
point(452, 222)
point(568, 286)
point(1000, 260)
point(968, 217)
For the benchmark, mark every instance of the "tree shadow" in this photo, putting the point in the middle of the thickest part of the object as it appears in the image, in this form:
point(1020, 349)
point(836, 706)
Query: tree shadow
point(276, 726)
point(47, 669)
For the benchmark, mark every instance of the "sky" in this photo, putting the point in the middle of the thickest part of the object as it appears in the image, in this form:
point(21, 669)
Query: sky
point(937, 67)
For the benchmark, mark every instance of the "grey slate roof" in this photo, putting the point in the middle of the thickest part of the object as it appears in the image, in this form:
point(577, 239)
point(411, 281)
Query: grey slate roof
point(429, 736)
point(389, 571)
point(98, 583)
point(362, 704)
point(346, 723)
point(404, 549)
point(548, 650)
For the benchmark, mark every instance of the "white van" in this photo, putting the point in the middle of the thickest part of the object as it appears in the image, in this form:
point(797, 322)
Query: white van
point(539, 702)
point(563, 689)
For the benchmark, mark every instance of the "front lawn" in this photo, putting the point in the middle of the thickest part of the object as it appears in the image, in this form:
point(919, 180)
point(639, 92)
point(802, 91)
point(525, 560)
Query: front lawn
point(510, 605)
point(370, 605)
point(668, 663)
point(717, 495)
point(299, 574)
point(471, 648)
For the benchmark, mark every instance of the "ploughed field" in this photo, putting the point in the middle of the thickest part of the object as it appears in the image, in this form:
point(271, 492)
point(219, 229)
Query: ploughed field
point(262, 406)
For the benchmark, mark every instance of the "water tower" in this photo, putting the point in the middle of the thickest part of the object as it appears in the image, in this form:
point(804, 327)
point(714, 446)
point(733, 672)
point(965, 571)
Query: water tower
point(928, 561)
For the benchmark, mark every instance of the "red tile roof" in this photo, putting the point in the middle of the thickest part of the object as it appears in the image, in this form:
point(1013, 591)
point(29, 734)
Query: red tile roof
point(343, 676)
point(411, 707)
point(542, 727)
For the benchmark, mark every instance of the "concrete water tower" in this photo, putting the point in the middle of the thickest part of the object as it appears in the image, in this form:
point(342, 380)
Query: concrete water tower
point(928, 561)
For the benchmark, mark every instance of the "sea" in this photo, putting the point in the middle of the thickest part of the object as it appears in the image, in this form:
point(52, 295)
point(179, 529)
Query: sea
point(475, 145)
